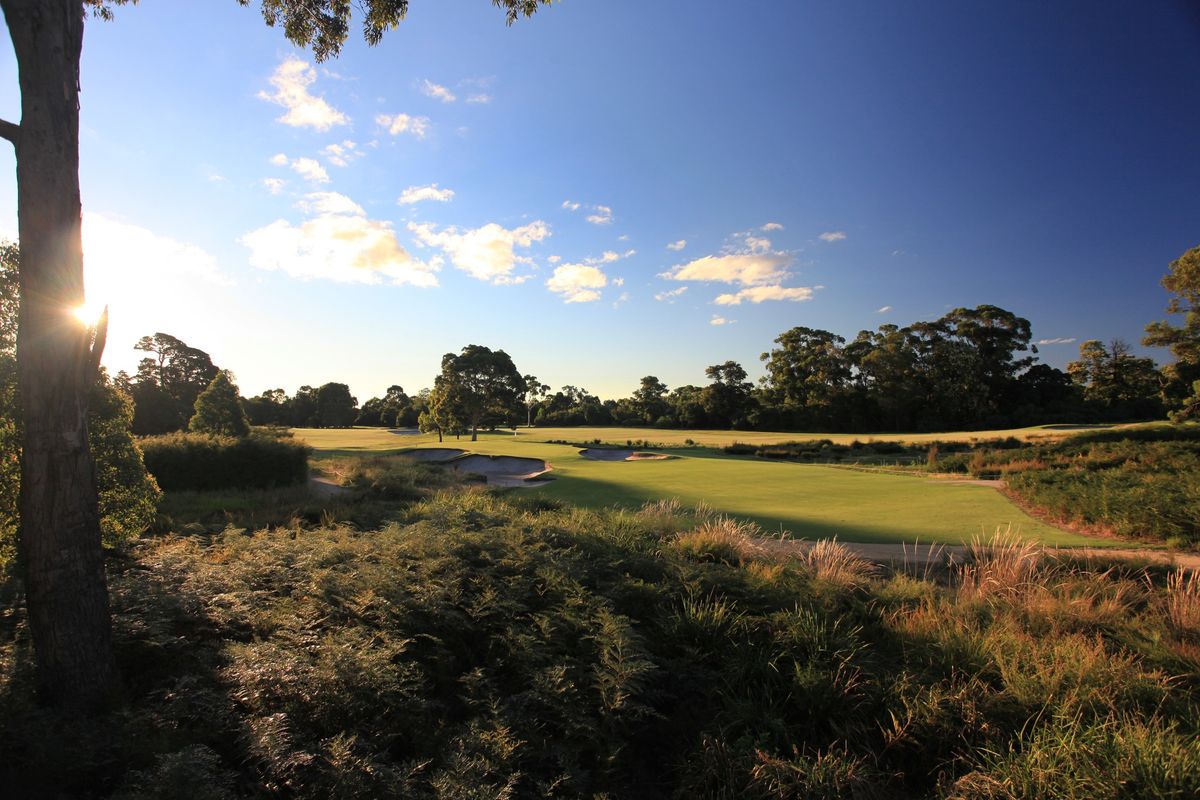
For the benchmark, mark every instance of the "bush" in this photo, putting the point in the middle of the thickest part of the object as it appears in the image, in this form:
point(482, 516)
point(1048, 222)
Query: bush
point(189, 461)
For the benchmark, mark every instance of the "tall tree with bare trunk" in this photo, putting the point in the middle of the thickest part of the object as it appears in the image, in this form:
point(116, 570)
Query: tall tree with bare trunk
point(57, 356)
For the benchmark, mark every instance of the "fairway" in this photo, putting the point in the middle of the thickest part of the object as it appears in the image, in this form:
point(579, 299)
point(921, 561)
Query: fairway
point(808, 501)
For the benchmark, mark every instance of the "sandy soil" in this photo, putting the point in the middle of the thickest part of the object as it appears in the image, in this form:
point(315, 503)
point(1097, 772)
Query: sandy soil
point(325, 488)
point(604, 454)
point(505, 471)
point(923, 553)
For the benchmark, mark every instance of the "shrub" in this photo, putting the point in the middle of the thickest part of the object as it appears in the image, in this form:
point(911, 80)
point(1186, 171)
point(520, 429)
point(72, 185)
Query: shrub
point(189, 461)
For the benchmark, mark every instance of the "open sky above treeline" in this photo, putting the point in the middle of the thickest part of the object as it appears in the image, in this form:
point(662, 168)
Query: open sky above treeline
point(609, 190)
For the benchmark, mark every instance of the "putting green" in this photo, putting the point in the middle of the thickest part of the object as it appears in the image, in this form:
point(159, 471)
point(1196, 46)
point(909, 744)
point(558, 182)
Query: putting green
point(807, 500)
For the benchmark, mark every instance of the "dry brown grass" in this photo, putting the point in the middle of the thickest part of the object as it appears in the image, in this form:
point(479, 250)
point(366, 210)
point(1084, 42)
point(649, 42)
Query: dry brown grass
point(1183, 600)
point(832, 561)
point(1003, 566)
point(723, 539)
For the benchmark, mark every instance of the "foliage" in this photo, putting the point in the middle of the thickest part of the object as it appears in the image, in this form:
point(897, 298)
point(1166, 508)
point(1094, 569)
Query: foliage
point(1116, 382)
point(336, 407)
point(477, 387)
point(219, 409)
point(1183, 377)
point(495, 645)
point(202, 462)
point(168, 382)
point(1133, 483)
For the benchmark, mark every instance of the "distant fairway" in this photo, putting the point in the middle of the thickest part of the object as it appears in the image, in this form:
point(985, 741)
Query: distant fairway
point(807, 500)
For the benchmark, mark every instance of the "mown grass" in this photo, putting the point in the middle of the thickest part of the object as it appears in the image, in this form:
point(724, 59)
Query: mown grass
point(807, 501)
point(509, 645)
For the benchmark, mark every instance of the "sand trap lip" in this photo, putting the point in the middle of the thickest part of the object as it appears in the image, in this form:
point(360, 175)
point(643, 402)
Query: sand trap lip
point(502, 470)
point(604, 454)
point(434, 454)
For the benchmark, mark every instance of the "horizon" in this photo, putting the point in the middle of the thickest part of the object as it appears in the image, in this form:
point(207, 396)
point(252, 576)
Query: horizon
point(674, 204)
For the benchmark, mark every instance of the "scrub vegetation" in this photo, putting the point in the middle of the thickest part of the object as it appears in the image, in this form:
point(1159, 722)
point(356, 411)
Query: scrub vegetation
point(486, 644)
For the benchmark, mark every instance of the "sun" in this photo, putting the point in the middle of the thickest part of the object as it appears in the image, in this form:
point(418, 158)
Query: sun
point(88, 313)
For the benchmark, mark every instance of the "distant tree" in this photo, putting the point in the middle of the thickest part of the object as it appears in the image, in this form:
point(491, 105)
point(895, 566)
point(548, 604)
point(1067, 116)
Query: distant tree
point(534, 390)
point(336, 407)
point(219, 409)
point(1182, 387)
point(648, 399)
point(178, 370)
point(269, 408)
point(687, 406)
point(806, 375)
point(1115, 381)
point(478, 385)
point(727, 399)
point(302, 409)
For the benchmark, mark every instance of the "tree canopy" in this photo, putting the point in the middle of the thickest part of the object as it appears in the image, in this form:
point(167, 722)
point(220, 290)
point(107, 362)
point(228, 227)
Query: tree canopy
point(219, 409)
point(477, 386)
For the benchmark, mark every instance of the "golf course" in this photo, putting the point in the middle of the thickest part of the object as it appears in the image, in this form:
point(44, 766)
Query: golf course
point(804, 500)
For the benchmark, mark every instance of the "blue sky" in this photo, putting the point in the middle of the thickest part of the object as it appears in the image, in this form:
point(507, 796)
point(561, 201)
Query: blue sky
point(811, 164)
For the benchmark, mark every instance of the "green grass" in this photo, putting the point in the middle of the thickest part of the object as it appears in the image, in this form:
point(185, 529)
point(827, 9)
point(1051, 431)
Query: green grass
point(380, 438)
point(806, 500)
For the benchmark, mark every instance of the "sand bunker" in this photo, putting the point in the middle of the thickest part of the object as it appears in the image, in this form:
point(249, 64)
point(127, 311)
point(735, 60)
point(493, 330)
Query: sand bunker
point(502, 470)
point(604, 454)
point(434, 454)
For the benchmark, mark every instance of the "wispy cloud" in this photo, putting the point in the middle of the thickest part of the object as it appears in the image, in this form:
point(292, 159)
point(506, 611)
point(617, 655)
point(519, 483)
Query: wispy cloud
point(338, 242)
point(417, 194)
point(601, 215)
point(1059, 340)
point(771, 226)
point(290, 82)
point(717, 319)
point(487, 253)
point(832, 236)
point(677, 245)
point(308, 168)
point(340, 154)
point(749, 269)
point(570, 205)
point(759, 294)
point(274, 185)
point(437, 91)
point(670, 295)
point(479, 99)
point(577, 283)
point(883, 310)
point(396, 124)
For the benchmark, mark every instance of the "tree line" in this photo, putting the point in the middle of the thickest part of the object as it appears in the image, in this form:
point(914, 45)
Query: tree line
point(971, 368)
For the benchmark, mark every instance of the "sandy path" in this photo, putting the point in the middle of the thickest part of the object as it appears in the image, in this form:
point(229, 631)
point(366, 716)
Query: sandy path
point(924, 553)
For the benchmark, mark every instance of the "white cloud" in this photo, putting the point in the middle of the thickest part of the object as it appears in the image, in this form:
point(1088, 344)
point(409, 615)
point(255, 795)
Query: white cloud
point(570, 205)
point(339, 243)
point(330, 203)
point(622, 298)
point(748, 269)
point(602, 215)
point(577, 283)
point(759, 294)
point(437, 92)
point(717, 319)
point(670, 295)
point(554, 259)
point(771, 226)
point(416, 194)
point(291, 80)
point(832, 236)
point(479, 99)
point(279, 160)
point(274, 185)
point(396, 124)
point(618, 281)
point(1059, 340)
point(341, 154)
point(883, 310)
point(677, 246)
point(487, 253)
point(309, 169)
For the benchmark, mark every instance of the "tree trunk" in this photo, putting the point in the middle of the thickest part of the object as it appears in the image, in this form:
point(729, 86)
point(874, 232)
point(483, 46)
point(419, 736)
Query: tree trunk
point(60, 524)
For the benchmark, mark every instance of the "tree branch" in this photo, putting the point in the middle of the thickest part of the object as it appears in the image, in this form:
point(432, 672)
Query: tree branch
point(10, 131)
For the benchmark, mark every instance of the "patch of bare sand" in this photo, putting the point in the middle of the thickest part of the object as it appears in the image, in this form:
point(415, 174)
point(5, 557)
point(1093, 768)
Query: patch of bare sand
point(505, 471)
point(605, 454)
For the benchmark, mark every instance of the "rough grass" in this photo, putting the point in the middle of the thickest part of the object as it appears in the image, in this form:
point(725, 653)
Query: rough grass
point(489, 645)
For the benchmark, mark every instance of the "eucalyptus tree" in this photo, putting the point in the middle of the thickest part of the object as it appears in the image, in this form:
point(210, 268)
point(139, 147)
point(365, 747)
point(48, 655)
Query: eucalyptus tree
point(1182, 389)
point(58, 358)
